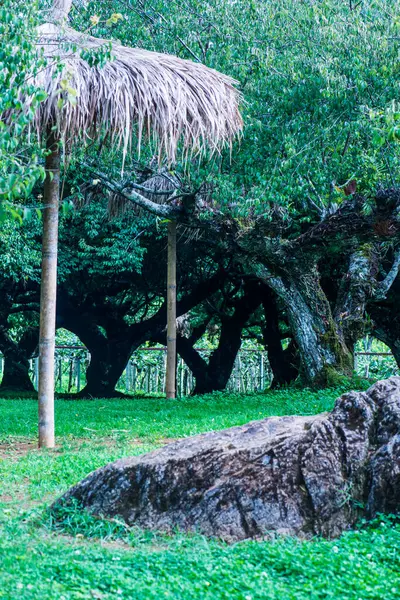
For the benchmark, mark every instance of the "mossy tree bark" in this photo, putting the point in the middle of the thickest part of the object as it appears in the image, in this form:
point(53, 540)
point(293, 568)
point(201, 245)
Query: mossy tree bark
point(363, 294)
point(355, 290)
point(322, 352)
point(290, 268)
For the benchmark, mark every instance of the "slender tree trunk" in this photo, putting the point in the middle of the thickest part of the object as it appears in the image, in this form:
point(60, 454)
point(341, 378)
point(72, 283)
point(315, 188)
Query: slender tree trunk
point(48, 293)
point(171, 312)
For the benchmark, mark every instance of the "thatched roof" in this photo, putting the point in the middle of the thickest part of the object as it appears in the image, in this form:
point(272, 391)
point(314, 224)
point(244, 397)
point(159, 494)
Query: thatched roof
point(168, 99)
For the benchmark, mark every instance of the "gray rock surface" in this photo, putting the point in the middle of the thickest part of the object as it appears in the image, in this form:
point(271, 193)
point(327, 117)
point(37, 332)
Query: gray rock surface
point(291, 475)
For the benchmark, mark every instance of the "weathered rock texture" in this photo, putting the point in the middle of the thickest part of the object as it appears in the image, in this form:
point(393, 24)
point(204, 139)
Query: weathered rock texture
point(293, 475)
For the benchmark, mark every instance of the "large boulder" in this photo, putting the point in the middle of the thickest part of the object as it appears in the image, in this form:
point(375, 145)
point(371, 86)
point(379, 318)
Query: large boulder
point(306, 476)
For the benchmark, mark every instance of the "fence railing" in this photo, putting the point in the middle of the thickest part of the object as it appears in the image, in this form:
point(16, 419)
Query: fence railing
point(145, 371)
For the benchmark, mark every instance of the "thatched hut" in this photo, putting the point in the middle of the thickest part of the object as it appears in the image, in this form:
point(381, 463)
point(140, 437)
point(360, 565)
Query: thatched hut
point(175, 103)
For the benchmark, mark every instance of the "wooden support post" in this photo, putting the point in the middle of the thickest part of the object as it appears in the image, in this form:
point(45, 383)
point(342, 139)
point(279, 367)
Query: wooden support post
point(149, 379)
point(181, 369)
point(262, 384)
point(171, 312)
point(156, 383)
point(127, 376)
point(70, 372)
point(48, 293)
point(134, 377)
point(368, 346)
point(185, 382)
point(36, 374)
point(78, 375)
point(238, 374)
point(60, 373)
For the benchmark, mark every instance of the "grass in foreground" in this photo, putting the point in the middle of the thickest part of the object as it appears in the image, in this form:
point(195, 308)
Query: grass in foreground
point(87, 558)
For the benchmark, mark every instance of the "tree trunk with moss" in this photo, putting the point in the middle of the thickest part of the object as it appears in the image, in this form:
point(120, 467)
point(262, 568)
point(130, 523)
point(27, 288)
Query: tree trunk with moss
point(355, 290)
point(323, 354)
point(367, 301)
point(289, 266)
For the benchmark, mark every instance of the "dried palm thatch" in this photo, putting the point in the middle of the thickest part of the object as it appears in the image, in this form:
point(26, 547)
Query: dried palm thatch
point(168, 99)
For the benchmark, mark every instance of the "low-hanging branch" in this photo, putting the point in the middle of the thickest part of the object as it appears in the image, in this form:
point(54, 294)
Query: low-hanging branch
point(165, 211)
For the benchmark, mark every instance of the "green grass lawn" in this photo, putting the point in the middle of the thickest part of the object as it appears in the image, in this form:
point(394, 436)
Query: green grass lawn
point(86, 558)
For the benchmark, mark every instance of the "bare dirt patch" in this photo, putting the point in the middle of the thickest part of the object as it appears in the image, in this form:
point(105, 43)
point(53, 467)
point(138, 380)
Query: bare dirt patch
point(166, 440)
point(14, 449)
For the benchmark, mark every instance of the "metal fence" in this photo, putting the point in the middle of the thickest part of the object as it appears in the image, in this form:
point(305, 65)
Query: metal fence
point(145, 371)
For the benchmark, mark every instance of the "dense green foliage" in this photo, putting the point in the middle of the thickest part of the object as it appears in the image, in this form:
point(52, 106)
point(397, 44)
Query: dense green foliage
point(318, 82)
point(20, 166)
point(19, 251)
point(319, 85)
point(85, 558)
point(363, 564)
point(321, 109)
